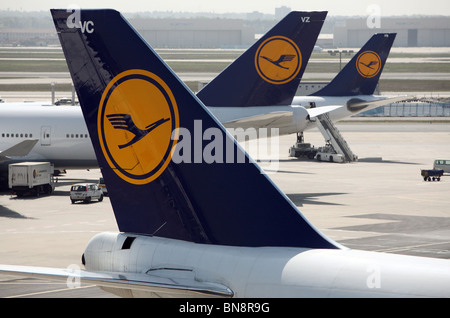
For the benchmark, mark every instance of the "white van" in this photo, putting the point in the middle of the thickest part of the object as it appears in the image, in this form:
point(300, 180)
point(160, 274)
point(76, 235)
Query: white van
point(85, 192)
point(442, 164)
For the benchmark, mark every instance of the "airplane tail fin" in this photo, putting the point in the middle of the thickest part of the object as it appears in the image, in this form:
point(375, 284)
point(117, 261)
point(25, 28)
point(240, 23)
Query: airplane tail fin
point(179, 174)
point(360, 76)
point(269, 72)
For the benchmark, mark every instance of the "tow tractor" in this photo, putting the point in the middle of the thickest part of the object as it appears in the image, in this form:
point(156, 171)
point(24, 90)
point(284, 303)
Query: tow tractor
point(302, 149)
point(327, 153)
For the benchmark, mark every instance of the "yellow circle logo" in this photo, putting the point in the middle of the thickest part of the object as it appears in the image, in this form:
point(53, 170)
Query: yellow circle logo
point(368, 64)
point(136, 117)
point(278, 60)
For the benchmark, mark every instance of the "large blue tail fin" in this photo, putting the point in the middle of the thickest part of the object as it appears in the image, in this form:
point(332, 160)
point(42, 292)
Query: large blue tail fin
point(269, 72)
point(171, 168)
point(360, 76)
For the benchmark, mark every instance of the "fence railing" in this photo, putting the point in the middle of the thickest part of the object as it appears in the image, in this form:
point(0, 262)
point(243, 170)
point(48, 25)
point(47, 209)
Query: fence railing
point(410, 109)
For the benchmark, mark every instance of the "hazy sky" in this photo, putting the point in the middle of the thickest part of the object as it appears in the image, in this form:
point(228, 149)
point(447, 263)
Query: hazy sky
point(338, 7)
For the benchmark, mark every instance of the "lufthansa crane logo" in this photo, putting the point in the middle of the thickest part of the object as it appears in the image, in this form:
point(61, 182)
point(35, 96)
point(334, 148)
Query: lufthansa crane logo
point(368, 64)
point(278, 60)
point(137, 115)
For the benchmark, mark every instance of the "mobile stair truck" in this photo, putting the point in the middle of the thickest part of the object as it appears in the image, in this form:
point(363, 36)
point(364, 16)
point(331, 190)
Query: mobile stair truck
point(32, 178)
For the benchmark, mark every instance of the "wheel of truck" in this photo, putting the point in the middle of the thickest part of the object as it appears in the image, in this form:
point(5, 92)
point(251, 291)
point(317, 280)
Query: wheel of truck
point(310, 156)
point(73, 201)
point(438, 178)
point(331, 158)
point(48, 189)
point(429, 179)
point(101, 198)
point(319, 158)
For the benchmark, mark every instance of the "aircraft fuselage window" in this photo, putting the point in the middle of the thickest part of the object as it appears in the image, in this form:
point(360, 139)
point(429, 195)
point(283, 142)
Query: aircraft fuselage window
point(73, 136)
point(22, 135)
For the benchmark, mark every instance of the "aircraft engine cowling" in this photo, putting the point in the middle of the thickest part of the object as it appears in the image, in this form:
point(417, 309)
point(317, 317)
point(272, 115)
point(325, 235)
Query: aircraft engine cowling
point(111, 252)
point(300, 117)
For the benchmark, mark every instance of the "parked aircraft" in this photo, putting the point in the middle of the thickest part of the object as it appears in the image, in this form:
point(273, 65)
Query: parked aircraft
point(59, 133)
point(349, 93)
point(63, 135)
point(291, 41)
point(189, 229)
point(269, 72)
point(23, 148)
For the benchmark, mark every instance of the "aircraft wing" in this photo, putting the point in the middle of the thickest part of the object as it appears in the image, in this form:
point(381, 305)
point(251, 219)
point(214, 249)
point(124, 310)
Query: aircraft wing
point(267, 120)
point(21, 149)
point(316, 111)
point(277, 119)
point(173, 285)
point(358, 104)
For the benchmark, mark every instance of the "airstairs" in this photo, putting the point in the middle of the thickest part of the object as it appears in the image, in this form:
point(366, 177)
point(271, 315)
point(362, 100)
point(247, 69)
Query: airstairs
point(334, 138)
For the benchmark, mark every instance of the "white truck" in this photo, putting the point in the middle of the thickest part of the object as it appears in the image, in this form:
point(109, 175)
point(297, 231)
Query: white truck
point(327, 153)
point(32, 178)
point(443, 164)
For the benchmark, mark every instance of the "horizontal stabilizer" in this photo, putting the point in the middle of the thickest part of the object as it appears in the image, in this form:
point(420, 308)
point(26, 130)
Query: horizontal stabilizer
point(179, 287)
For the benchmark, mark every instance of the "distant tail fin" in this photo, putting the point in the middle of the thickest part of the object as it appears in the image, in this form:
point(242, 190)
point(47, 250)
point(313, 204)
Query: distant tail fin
point(269, 72)
point(185, 179)
point(360, 76)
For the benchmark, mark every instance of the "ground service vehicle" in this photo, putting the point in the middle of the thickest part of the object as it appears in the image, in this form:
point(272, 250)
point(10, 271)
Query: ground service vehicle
point(102, 186)
point(302, 149)
point(432, 174)
point(442, 164)
point(85, 192)
point(33, 178)
point(327, 153)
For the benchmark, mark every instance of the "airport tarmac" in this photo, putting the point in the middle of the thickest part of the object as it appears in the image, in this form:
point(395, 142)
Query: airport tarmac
point(379, 203)
point(27, 78)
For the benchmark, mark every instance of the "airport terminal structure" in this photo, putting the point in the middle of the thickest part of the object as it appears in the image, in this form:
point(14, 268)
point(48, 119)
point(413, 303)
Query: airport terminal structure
point(195, 33)
point(411, 31)
point(234, 31)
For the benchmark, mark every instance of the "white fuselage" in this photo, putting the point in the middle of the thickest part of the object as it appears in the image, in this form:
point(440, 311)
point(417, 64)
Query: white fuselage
point(64, 139)
point(291, 125)
point(61, 130)
point(342, 112)
point(273, 271)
